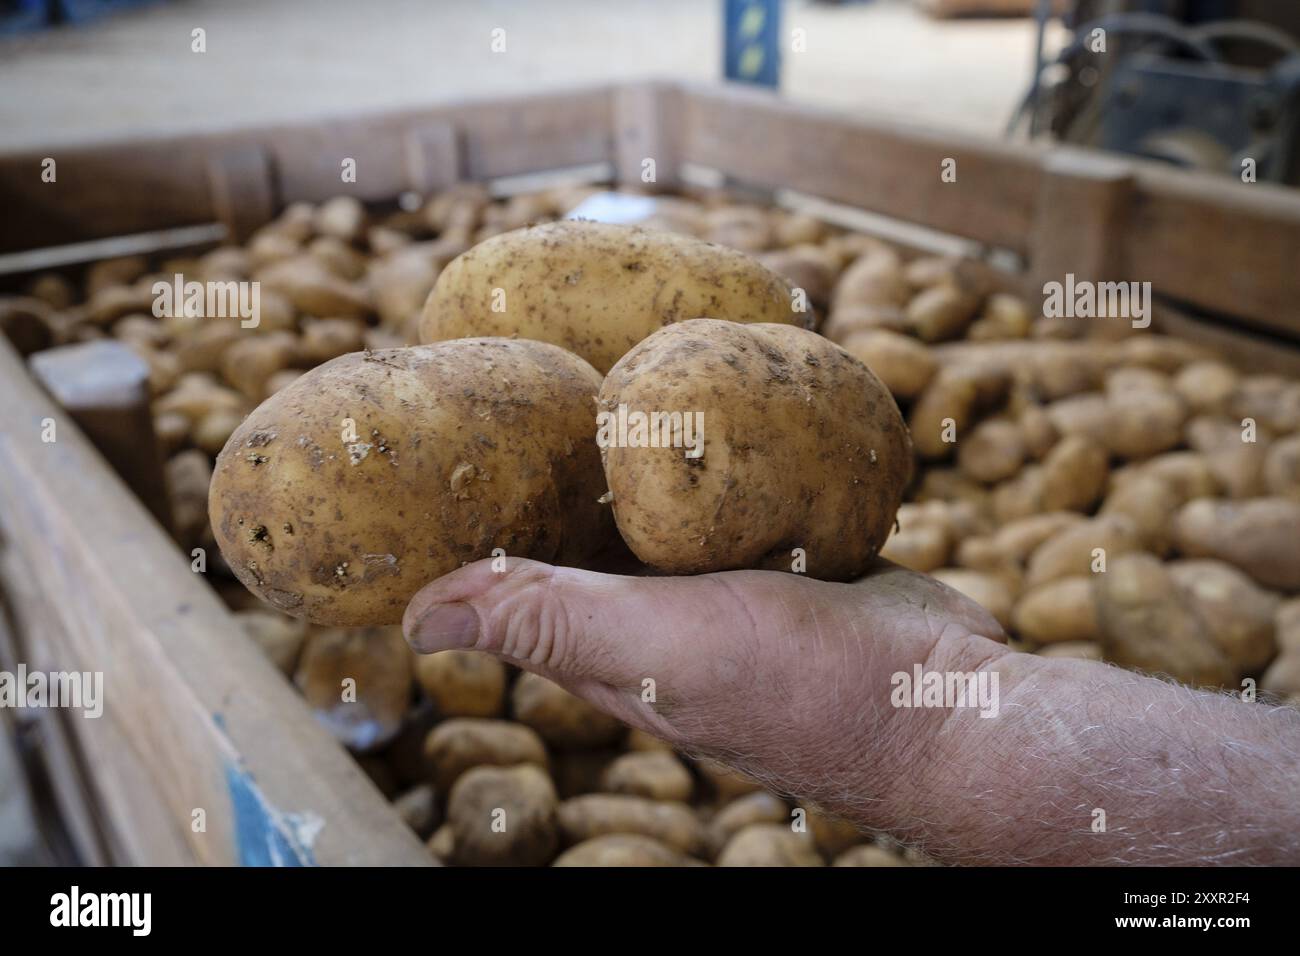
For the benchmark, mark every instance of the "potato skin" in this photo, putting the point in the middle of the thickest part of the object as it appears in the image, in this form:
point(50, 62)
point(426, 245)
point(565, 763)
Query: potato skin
point(460, 447)
point(803, 448)
point(598, 289)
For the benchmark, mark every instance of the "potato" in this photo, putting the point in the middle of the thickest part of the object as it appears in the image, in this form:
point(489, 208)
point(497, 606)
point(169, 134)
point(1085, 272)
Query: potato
point(1004, 316)
point(1283, 678)
point(1037, 431)
point(1282, 467)
point(1020, 539)
point(1237, 614)
point(770, 844)
point(1056, 612)
point(849, 320)
point(1128, 380)
point(562, 719)
point(949, 406)
point(875, 278)
point(1071, 551)
point(248, 363)
point(1260, 537)
point(338, 256)
point(503, 816)
point(868, 854)
point(922, 547)
point(342, 217)
point(596, 814)
point(188, 475)
point(325, 339)
point(941, 312)
point(1237, 465)
point(903, 364)
point(348, 490)
point(224, 263)
point(1271, 400)
point(456, 745)
point(173, 431)
point(214, 429)
point(803, 448)
point(1150, 503)
point(757, 807)
point(804, 267)
point(1021, 496)
point(987, 590)
point(120, 271)
point(656, 775)
point(402, 282)
point(1286, 625)
point(280, 637)
point(54, 290)
point(992, 452)
point(1089, 415)
point(1074, 475)
point(463, 683)
point(1145, 422)
point(1187, 473)
point(204, 349)
point(599, 289)
point(622, 849)
point(1146, 624)
point(358, 682)
point(312, 288)
point(267, 248)
point(418, 808)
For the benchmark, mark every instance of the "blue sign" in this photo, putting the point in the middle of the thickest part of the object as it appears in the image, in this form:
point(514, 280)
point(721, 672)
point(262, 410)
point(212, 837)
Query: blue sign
point(752, 34)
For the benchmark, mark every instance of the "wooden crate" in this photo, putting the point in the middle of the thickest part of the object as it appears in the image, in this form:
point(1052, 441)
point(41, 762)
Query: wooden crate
point(198, 720)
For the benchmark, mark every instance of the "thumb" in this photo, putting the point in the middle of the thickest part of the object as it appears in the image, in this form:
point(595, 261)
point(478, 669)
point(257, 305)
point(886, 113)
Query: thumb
point(565, 623)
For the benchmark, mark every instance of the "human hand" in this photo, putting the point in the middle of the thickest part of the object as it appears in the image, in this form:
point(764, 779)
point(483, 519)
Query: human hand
point(792, 680)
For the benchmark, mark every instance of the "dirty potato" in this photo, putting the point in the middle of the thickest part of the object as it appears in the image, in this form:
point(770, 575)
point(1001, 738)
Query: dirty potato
point(599, 289)
point(797, 445)
point(345, 492)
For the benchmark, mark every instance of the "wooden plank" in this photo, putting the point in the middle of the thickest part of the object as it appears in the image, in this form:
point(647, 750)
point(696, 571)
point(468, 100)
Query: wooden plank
point(1219, 244)
point(647, 126)
point(883, 167)
point(109, 189)
point(63, 764)
point(104, 386)
point(241, 184)
point(1080, 217)
point(1249, 351)
point(194, 716)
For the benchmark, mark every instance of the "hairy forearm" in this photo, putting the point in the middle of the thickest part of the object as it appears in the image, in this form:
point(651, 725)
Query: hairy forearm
point(1089, 764)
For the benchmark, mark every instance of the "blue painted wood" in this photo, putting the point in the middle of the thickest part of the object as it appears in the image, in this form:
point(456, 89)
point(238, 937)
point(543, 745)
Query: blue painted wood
point(752, 41)
point(18, 16)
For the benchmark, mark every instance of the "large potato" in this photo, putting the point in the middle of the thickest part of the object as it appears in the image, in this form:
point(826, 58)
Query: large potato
point(599, 289)
point(345, 492)
point(802, 447)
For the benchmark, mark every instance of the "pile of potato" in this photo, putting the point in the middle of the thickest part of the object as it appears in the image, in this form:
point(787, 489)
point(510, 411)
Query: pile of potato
point(1094, 494)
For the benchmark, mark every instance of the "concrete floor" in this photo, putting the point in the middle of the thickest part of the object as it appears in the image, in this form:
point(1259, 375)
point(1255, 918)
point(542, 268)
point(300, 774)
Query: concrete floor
point(268, 60)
